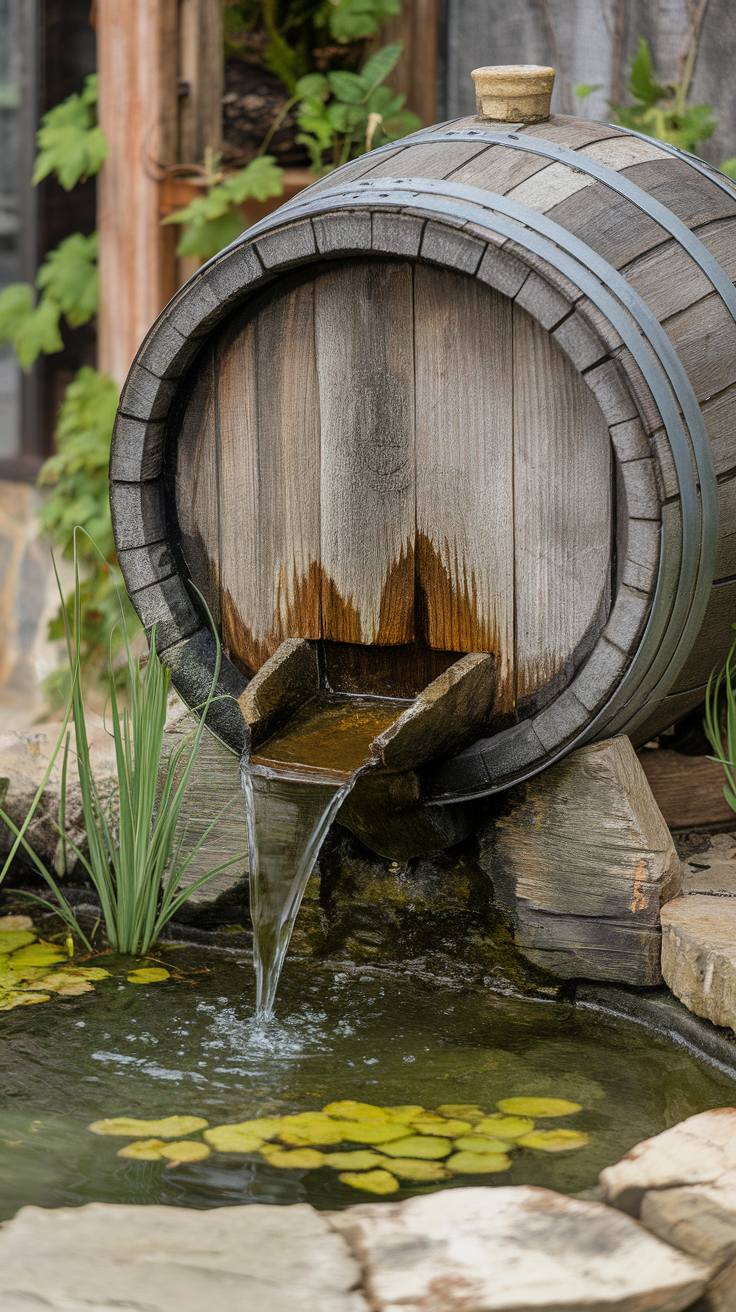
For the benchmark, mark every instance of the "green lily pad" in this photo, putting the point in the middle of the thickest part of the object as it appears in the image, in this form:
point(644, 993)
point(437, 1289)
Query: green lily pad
point(405, 1112)
point(148, 975)
point(478, 1163)
point(302, 1159)
point(467, 1111)
point(143, 1150)
point(36, 954)
point(266, 1127)
point(231, 1139)
point(186, 1150)
point(554, 1141)
point(12, 939)
point(421, 1146)
point(373, 1182)
point(168, 1128)
point(361, 1159)
point(499, 1126)
point(479, 1143)
point(441, 1125)
point(369, 1132)
point(538, 1107)
point(349, 1110)
point(307, 1129)
point(10, 999)
point(407, 1168)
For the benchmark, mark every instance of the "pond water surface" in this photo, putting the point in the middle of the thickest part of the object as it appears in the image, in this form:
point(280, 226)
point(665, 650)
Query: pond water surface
point(189, 1045)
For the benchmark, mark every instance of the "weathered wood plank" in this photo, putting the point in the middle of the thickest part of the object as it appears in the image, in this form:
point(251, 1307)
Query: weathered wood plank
point(711, 646)
point(196, 487)
point(499, 169)
point(608, 223)
point(687, 789)
point(365, 364)
point(550, 186)
point(562, 507)
point(726, 554)
point(670, 280)
point(433, 160)
point(268, 419)
point(719, 415)
point(704, 336)
point(464, 452)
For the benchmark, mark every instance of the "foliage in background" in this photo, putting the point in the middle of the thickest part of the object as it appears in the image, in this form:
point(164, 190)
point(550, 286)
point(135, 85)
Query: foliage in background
point(212, 221)
point(719, 695)
point(662, 111)
point(343, 111)
point(77, 477)
point(72, 146)
point(131, 837)
point(344, 114)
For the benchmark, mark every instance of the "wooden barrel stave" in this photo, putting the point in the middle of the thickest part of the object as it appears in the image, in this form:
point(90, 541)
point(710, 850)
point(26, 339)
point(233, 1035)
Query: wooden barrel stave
point(646, 480)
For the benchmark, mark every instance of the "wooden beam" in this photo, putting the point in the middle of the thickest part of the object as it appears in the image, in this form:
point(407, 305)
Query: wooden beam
point(137, 60)
point(201, 79)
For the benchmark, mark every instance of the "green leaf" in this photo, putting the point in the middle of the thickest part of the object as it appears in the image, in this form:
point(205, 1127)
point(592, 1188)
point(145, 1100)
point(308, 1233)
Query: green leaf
point(16, 304)
point(378, 67)
point(260, 179)
point(205, 237)
point(70, 143)
point(313, 85)
point(352, 20)
point(584, 89)
point(400, 125)
point(348, 87)
point(77, 472)
point(211, 222)
point(729, 167)
point(346, 118)
point(38, 334)
point(69, 277)
point(641, 82)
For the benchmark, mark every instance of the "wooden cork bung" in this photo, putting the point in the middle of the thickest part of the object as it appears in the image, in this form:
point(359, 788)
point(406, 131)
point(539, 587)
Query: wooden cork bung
point(514, 93)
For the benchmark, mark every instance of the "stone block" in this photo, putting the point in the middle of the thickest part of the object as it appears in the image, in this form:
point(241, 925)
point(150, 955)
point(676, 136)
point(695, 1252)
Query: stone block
point(173, 1259)
point(451, 711)
point(698, 1151)
point(504, 1249)
point(697, 1219)
point(699, 955)
point(581, 862)
point(286, 680)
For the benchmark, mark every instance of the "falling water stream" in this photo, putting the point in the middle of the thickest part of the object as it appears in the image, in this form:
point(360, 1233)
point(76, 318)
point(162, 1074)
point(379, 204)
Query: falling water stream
point(294, 785)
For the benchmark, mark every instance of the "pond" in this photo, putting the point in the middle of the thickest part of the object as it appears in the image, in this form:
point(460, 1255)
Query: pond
point(188, 1045)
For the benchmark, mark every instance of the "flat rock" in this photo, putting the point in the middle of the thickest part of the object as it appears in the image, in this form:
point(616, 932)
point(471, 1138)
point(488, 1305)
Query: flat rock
point(713, 870)
point(581, 863)
point(700, 1150)
point(699, 955)
point(700, 1219)
point(173, 1259)
point(504, 1249)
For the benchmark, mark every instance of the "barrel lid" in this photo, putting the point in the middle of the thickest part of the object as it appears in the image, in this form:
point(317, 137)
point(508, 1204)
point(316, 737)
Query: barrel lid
point(514, 93)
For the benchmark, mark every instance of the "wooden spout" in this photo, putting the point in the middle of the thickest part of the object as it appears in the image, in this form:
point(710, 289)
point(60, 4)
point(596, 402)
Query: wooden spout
point(514, 93)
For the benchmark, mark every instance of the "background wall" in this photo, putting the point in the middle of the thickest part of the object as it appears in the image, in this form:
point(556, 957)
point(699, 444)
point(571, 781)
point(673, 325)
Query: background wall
point(595, 41)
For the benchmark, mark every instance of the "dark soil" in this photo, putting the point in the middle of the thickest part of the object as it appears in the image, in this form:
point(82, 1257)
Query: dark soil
point(253, 99)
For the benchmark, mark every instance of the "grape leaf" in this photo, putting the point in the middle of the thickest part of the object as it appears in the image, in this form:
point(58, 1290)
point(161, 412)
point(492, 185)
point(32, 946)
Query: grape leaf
point(68, 276)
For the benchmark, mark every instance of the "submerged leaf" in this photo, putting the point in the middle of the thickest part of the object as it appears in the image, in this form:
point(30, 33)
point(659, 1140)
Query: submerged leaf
point(405, 1112)
point(9, 999)
point(304, 1136)
point(15, 923)
point(148, 975)
point(168, 1128)
point(538, 1106)
point(499, 1126)
point(265, 1127)
point(426, 1172)
point(302, 1159)
point(554, 1141)
point(232, 1139)
point(419, 1146)
point(467, 1111)
point(143, 1150)
point(440, 1125)
point(478, 1163)
point(37, 954)
point(361, 1159)
point(374, 1182)
point(186, 1150)
point(348, 1110)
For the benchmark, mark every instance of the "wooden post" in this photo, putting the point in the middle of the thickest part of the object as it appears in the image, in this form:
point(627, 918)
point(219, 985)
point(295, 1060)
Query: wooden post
point(137, 60)
point(417, 28)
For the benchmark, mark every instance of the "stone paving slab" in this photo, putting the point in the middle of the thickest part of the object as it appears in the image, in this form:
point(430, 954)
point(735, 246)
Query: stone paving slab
point(700, 1150)
point(174, 1259)
point(699, 954)
point(514, 1249)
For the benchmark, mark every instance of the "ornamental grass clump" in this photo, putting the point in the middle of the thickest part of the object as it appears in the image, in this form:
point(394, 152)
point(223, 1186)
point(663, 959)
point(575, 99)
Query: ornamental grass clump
point(134, 860)
point(721, 693)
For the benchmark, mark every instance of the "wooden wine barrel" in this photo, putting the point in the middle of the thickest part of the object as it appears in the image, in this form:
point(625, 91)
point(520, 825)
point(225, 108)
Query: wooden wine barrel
point(473, 392)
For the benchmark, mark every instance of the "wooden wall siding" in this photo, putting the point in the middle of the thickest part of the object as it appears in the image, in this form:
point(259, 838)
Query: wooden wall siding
point(402, 454)
point(595, 43)
point(365, 358)
point(269, 441)
point(562, 508)
point(465, 488)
